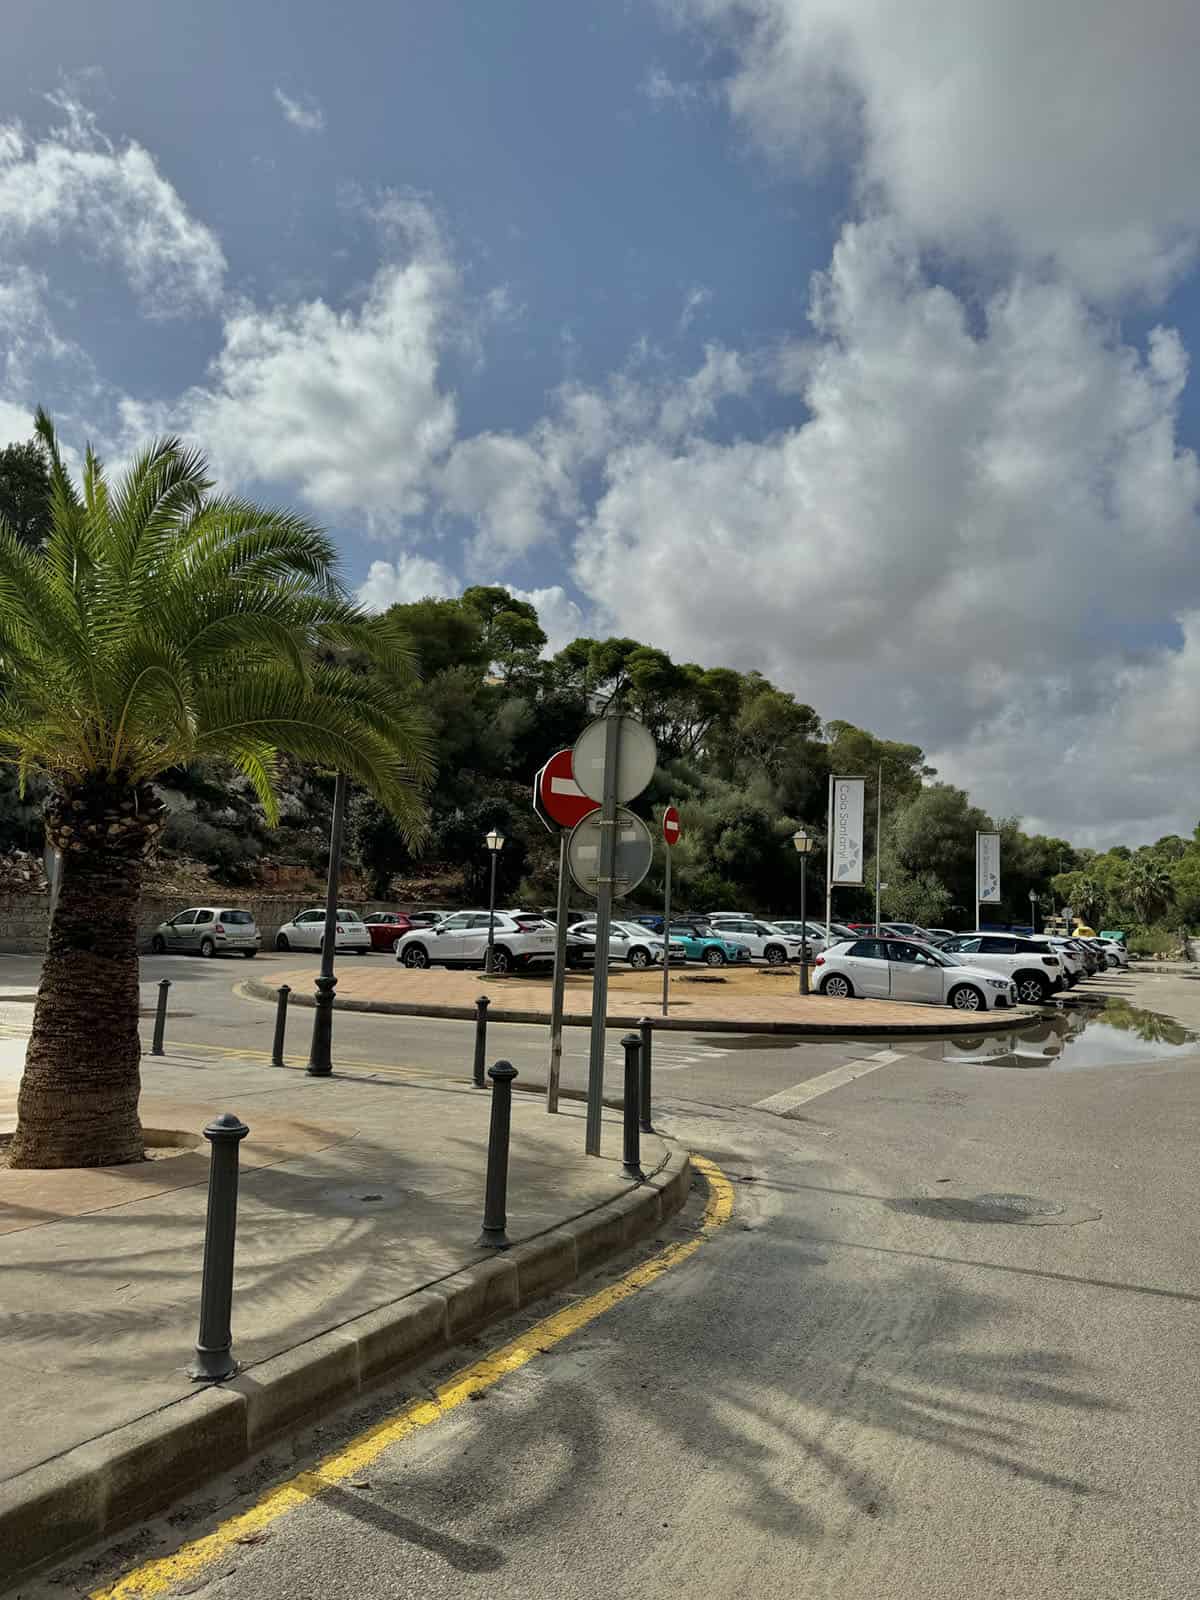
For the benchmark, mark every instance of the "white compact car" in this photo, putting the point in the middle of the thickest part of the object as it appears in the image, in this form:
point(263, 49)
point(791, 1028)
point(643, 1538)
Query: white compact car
point(899, 969)
point(816, 933)
point(1030, 963)
point(629, 941)
point(461, 940)
point(765, 939)
point(307, 932)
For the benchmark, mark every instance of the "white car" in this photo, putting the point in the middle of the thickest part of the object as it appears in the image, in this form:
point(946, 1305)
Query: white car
point(816, 933)
point(900, 969)
point(763, 939)
point(1115, 953)
point(629, 941)
point(307, 932)
point(1071, 956)
point(1035, 969)
point(461, 940)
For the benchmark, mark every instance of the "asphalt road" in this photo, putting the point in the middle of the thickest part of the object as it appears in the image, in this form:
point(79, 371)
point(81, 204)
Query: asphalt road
point(863, 1386)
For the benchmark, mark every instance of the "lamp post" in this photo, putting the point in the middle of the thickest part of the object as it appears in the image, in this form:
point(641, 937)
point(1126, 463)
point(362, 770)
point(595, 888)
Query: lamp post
point(495, 843)
point(1033, 904)
point(320, 1064)
point(802, 844)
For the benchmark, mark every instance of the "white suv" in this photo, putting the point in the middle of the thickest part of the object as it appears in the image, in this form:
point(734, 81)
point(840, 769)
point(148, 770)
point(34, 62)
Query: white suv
point(1030, 963)
point(461, 940)
point(760, 938)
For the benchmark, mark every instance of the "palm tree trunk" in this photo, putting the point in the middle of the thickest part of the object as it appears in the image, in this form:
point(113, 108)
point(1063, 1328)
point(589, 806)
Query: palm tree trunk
point(78, 1101)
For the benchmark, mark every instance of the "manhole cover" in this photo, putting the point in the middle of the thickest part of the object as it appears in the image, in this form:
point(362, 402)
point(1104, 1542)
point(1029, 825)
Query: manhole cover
point(1002, 1207)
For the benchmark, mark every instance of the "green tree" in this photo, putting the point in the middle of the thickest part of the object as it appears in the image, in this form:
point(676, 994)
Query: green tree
point(160, 625)
point(381, 844)
point(1084, 893)
point(25, 491)
point(1148, 888)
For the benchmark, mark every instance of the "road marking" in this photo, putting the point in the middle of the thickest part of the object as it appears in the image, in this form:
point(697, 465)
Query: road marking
point(158, 1577)
point(789, 1100)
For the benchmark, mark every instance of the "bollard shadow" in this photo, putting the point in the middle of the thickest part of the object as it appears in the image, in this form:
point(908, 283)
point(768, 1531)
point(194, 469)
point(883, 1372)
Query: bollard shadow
point(460, 1554)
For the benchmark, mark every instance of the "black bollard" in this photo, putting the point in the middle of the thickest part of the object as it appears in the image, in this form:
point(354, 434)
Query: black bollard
point(280, 1026)
point(160, 1018)
point(481, 1009)
point(495, 1199)
point(631, 1166)
point(644, 1083)
point(214, 1348)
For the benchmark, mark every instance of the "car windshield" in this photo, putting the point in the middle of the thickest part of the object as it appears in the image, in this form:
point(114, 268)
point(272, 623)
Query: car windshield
point(239, 919)
point(348, 916)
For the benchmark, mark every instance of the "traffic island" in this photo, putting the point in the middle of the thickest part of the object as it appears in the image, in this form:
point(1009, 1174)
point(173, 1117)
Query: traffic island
point(724, 1000)
point(358, 1218)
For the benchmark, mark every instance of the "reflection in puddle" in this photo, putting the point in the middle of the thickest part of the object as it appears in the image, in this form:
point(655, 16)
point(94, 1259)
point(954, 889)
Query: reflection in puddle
point(1079, 1037)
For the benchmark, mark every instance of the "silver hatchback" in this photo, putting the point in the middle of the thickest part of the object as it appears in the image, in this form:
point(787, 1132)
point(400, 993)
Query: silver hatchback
point(208, 931)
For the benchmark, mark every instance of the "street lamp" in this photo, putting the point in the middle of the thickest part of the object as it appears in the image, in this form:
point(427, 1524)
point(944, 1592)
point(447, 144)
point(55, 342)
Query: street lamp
point(802, 844)
point(320, 1063)
point(495, 843)
point(1033, 902)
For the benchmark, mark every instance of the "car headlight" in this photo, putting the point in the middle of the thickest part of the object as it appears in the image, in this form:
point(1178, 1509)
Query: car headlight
point(1000, 983)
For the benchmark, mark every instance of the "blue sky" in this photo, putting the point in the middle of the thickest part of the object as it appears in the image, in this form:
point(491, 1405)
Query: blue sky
point(778, 333)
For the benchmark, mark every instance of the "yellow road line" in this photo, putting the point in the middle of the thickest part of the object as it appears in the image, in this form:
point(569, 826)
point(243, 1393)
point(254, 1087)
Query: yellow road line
point(158, 1577)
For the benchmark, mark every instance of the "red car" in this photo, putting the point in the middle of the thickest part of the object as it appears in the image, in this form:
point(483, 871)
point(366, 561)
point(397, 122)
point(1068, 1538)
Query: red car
point(387, 928)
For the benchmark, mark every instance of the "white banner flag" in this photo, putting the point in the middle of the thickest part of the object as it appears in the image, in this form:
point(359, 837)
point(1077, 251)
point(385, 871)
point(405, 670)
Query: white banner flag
point(987, 869)
point(846, 832)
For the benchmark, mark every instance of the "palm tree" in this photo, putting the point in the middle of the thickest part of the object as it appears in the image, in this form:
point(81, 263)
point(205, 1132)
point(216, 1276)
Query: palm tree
point(1148, 888)
point(160, 624)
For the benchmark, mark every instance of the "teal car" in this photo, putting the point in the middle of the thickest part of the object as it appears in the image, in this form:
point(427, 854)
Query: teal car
point(696, 941)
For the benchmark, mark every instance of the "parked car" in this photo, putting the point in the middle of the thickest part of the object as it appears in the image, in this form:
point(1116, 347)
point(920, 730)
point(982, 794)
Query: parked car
point(426, 919)
point(307, 932)
point(628, 941)
point(813, 931)
point(763, 939)
point(386, 928)
point(937, 935)
point(699, 942)
point(713, 917)
point(1077, 962)
point(1033, 967)
point(902, 969)
point(208, 931)
point(906, 930)
point(461, 940)
point(653, 921)
point(1115, 953)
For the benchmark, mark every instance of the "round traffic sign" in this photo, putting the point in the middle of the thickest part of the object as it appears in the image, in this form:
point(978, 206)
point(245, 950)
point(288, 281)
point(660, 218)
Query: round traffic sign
point(635, 850)
point(636, 759)
point(671, 825)
point(559, 796)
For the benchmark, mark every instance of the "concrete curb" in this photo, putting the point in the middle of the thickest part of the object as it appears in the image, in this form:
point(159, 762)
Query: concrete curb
point(103, 1485)
point(953, 1022)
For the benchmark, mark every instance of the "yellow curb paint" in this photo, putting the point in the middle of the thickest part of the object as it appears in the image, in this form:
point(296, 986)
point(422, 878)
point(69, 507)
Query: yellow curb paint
point(156, 1578)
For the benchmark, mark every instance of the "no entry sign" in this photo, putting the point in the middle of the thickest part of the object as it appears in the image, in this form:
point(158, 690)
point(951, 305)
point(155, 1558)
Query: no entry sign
point(671, 825)
point(557, 796)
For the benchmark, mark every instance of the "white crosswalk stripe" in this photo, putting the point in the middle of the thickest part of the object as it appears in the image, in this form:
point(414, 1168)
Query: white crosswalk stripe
point(788, 1101)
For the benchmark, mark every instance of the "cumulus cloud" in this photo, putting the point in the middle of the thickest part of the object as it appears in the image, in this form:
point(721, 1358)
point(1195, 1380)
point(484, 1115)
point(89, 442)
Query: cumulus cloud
point(343, 403)
point(409, 577)
point(562, 618)
point(948, 546)
point(1059, 133)
point(75, 185)
point(304, 113)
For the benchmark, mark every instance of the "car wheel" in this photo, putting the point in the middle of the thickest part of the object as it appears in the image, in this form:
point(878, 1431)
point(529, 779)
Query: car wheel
point(639, 958)
point(837, 987)
point(158, 945)
point(1032, 989)
point(281, 942)
point(416, 956)
point(714, 957)
point(966, 998)
point(207, 948)
point(776, 955)
point(249, 954)
point(502, 961)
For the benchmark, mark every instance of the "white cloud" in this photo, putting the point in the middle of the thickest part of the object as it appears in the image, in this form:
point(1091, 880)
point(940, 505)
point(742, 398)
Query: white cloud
point(694, 303)
point(661, 89)
point(305, 113)
point(345, 404)
point(75, 185)
point(561, 618)
point(399, 582)
point(945, 549)
point(1061, 132)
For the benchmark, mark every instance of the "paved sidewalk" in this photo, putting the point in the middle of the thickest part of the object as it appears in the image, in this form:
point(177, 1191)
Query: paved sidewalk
point(355, 1192)
point(762, 999)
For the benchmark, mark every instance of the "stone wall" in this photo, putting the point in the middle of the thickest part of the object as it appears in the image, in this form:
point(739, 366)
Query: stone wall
point(23, 917)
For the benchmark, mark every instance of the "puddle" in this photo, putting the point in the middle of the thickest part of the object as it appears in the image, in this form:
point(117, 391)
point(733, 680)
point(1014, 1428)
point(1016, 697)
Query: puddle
point(1083, 1036)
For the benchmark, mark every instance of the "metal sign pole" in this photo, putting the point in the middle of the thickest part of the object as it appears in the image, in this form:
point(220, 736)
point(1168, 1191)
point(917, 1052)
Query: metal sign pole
point(560, 975)
point(667, 933)
point(829, 861)
point(878, 840)
point(604, 889)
